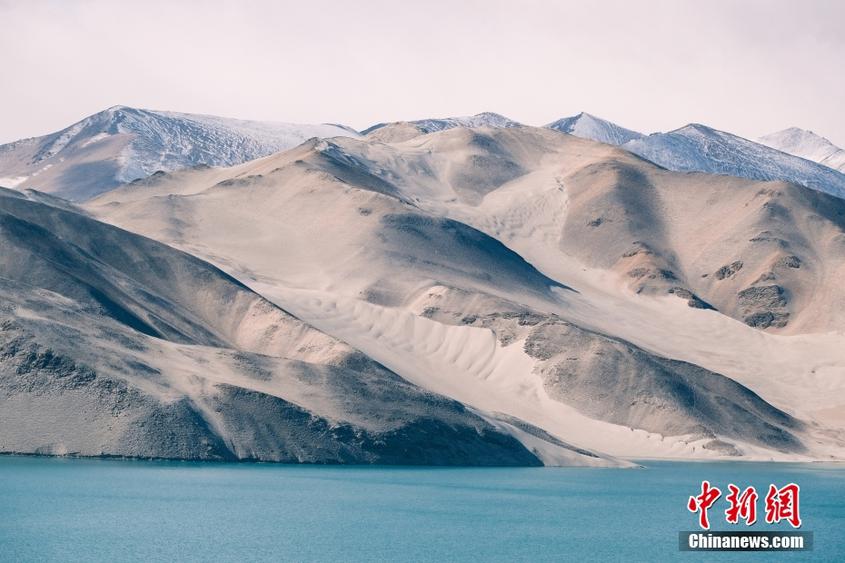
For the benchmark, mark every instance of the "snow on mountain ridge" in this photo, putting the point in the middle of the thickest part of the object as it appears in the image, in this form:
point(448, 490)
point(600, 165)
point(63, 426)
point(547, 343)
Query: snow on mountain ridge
point(425, 126)
point(699, 148)
point(121, 144)
point(588, 126)
point(484, 119)
point(806, 144)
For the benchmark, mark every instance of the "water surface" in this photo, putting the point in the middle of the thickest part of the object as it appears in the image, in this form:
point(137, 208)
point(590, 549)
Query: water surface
point(102, 510)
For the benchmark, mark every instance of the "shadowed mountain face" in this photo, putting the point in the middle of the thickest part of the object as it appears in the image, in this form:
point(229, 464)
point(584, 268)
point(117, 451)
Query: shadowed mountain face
point(114, 344)
point(366, 238)
point(122, 144)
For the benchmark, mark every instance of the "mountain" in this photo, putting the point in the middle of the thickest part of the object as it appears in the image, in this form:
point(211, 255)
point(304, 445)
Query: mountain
point(560, 281)
point(437, 293)
point(113, 344)
point(697, 148)
point(122, 144)
point(806, 144)
point(404, 130)
point(589, 126)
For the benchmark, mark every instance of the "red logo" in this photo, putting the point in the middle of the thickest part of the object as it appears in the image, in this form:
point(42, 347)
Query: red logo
point(781, 504)
point(741, 505)
point(703, 502)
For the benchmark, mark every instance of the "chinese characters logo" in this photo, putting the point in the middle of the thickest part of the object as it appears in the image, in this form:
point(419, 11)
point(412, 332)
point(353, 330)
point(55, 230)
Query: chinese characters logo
point(780, 504)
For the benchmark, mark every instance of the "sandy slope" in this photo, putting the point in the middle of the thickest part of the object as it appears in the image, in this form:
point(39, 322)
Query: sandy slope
point(355, 236)
point(114, 344)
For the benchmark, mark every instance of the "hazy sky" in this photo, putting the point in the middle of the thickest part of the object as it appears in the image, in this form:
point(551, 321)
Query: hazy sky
point(750, 67)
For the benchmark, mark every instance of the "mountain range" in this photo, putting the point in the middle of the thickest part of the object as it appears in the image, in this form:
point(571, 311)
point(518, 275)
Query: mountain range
point(445, 291)
point(124, 144)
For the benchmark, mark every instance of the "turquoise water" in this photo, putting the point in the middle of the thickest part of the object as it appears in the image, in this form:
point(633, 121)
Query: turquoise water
point(72, 509)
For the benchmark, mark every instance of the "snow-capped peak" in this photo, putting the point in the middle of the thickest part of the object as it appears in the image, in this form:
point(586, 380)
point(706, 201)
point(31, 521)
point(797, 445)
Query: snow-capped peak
point(806, 144)
point(122, 143)
point(484, 119)
point(699, 148)
point(697, 128)
point(589, 126)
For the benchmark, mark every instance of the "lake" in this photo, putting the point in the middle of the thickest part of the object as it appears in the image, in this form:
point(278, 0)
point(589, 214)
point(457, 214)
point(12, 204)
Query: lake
point(111, 510)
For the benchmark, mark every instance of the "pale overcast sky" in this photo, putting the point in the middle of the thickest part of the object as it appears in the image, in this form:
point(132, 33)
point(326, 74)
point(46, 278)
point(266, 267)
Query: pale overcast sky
point(750, 67)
